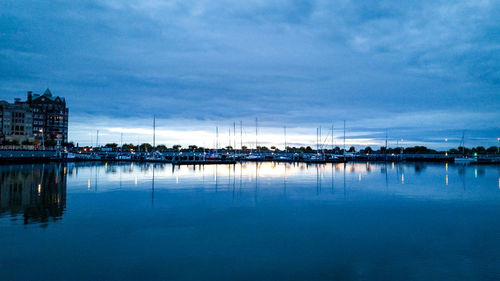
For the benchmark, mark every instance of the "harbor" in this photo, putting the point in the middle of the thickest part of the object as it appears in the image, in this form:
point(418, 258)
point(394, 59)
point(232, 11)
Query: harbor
point(231, 157)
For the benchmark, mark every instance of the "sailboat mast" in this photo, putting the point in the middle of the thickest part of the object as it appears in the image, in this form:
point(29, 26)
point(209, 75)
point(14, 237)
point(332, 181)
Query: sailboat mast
point(241, 134)
point(463, 143)
point(256, 132)
point(332, 138)
point(154, 131)
point(320, 140)
point(284, 129)
point(317, 142)
point(344, 137)
point(386, 141)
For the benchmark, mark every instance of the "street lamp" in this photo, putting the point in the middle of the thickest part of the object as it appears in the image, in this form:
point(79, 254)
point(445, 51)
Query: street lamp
point(43, 143)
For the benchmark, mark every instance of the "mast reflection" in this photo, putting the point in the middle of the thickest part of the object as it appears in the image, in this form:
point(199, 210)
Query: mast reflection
point(38, 192)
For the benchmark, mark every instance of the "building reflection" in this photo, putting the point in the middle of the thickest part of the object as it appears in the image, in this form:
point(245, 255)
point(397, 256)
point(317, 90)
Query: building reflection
point(37, 192)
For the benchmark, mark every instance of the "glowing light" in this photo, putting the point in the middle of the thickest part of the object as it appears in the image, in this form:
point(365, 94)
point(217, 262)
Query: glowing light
point(135, 180)
point(446, 179)
point(39, 188)
point(402, 178)
point(446, 165)
point(88, 184)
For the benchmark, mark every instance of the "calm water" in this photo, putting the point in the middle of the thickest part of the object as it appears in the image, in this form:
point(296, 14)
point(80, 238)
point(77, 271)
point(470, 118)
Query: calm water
point(250, 222)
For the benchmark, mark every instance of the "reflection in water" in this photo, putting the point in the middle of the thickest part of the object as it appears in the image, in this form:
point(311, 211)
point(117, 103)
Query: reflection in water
point(36, 191)
point(128, 220)
point(39, 191)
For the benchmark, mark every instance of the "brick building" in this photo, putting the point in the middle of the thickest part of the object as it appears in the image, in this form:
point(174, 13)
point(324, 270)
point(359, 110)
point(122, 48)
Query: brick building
point(43, 118)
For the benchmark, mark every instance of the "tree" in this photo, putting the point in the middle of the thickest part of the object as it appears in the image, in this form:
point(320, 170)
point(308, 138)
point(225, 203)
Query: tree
point(145, 147)
point(127, 147)
point(111, 145)
point(244, 147)
point(352, 149)
point(480, 150)
point(161, 148)
point(492, 149)
point(229, 147)
point(368, 149)
point(177, 147)
point(273, 147)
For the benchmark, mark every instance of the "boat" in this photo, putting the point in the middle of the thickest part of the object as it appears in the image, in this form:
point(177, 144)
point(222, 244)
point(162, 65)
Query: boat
point(464, 159)
point(155, 157)
point(283, 158)
point(124, 157)
point(213, 156)
point(255, 157)
point(335, 159)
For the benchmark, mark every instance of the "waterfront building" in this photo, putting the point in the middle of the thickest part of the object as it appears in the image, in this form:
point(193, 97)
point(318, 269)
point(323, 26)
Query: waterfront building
point(43, 118)
point(16, 122)
point(50, 117)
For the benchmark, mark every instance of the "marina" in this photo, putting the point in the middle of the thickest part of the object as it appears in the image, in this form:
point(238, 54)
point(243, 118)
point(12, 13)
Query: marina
point(229, 157)
point(249, 140)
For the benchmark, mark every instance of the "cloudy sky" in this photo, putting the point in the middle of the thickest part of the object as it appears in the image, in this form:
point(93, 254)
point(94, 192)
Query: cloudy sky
point(422, 71)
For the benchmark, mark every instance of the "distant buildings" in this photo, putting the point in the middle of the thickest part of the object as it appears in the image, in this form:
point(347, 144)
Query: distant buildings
point(41, 119)
point(16, 122)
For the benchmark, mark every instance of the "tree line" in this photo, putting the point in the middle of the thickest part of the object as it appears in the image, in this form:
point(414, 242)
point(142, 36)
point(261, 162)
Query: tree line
point(147, 147)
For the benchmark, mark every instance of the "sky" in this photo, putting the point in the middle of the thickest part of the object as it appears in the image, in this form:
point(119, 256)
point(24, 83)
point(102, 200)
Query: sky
point(420, 72)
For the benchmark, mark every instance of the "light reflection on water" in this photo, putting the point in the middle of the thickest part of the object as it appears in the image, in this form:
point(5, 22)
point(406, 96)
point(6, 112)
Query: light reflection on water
point(366, 181)
point(422, 179)
point(339, 215)
point(352, 180)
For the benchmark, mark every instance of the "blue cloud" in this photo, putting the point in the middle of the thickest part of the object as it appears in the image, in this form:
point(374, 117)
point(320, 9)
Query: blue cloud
point(301, 63)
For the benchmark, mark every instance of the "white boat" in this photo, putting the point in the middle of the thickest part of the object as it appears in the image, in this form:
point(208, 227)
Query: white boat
point(124, 157)
point(254, 157)
point(464, 160)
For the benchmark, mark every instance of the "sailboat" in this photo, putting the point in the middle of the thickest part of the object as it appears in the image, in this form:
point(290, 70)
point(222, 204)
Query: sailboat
point(464, 159)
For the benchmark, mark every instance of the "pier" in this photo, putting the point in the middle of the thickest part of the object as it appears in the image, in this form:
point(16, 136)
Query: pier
point(197, 158)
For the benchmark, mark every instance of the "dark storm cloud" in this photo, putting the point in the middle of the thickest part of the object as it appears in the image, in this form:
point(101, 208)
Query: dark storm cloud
point(302, 63)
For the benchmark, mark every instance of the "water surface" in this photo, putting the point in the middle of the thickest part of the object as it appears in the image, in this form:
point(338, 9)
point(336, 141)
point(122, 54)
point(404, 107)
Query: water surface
point(250, 221)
